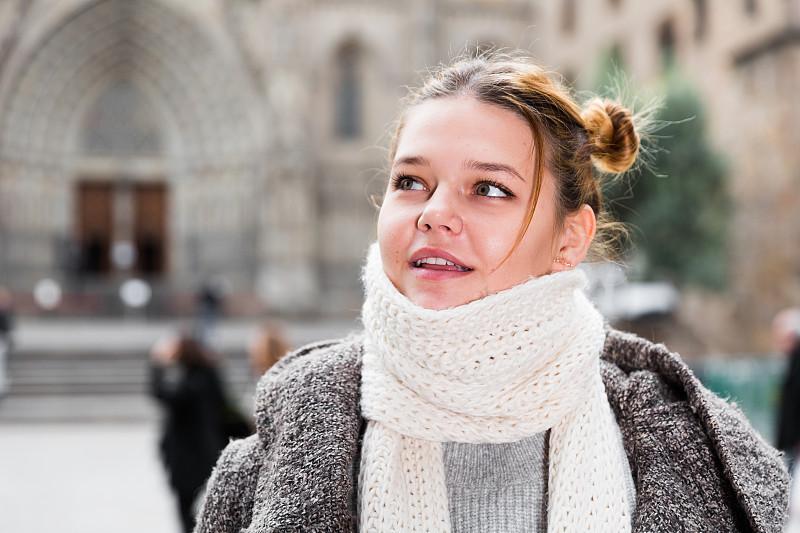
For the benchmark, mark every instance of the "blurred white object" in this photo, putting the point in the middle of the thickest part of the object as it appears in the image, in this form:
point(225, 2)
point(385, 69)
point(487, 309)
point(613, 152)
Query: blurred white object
point(123, 254)
point(637, 300)
point(47, 294)
point(135, 293)
point(618, 298)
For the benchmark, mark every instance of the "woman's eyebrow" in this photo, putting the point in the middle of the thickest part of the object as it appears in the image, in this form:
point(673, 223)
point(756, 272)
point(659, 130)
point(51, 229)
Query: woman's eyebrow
point(416, 160)
point(493, 167)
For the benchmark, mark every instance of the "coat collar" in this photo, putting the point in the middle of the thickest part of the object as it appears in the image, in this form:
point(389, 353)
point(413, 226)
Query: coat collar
point(686, 445)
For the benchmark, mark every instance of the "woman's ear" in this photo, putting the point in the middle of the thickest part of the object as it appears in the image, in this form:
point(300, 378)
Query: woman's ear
point(576, 237)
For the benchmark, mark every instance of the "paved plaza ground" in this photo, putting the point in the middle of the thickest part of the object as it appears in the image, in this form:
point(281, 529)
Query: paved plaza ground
point(83, 478)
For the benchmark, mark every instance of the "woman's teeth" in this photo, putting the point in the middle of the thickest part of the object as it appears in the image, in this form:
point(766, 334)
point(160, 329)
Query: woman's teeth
point(438, 261)
point(434, 261)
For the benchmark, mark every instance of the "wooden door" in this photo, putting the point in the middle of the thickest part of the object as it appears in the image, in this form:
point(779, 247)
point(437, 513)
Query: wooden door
point(95, 218)
point(150, 234)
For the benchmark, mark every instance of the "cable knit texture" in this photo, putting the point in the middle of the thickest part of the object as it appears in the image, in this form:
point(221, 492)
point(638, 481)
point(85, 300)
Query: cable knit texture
point(498, 369)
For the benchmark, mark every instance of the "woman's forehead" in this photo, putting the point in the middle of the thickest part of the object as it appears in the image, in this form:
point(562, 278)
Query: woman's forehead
point(463, 125)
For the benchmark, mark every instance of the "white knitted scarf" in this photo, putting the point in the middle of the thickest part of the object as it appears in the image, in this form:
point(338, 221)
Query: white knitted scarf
point(498, 369)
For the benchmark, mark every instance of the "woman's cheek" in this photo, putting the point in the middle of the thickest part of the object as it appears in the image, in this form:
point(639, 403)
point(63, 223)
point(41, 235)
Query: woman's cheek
point(392, 226)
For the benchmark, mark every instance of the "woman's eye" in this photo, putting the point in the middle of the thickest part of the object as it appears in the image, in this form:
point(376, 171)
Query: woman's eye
point(487, 189)
point(409, 184)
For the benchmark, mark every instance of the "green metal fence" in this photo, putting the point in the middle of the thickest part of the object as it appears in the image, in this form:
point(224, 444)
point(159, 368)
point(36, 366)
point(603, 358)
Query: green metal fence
point(753, 382)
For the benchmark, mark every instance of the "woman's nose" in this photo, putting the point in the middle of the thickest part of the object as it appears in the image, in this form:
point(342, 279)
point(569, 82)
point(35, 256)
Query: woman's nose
point(441, 213)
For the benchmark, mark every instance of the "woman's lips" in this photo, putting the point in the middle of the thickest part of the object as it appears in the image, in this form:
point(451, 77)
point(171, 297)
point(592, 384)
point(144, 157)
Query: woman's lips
point(433, 263)
point(439, 263)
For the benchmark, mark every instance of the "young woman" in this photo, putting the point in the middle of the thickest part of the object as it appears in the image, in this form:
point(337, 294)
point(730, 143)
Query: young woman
point(486, 393)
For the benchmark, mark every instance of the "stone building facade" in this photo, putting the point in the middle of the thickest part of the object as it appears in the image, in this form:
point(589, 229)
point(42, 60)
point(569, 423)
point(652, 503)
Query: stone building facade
point(743, 57)
point(242, 137)
point(212, 137)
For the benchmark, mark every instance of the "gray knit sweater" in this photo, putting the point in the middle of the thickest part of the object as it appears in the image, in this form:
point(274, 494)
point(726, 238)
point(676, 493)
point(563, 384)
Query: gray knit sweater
point(696, 462)
point(497, 488)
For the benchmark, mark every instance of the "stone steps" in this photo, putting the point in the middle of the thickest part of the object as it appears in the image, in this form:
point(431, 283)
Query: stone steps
point(96, 373)
point(91, 385)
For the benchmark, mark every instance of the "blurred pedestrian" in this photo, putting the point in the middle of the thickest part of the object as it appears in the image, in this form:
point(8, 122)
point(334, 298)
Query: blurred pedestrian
point(209, 306)
point(185, 381)
point(6, 326)
point(786, 335)
point(486, 392)
point(266, 346)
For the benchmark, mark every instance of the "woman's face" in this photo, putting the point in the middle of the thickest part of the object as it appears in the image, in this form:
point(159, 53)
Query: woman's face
point(458, 195)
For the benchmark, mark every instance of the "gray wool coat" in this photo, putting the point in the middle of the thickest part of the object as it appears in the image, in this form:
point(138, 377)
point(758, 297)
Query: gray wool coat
point(696, 462)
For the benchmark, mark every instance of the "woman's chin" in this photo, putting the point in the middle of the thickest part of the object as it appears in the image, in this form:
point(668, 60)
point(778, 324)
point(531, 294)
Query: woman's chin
point(437, 301)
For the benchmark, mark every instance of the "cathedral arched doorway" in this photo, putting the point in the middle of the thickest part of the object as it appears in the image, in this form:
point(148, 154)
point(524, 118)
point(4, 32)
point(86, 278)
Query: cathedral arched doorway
point(131, 143)
point(121, 217)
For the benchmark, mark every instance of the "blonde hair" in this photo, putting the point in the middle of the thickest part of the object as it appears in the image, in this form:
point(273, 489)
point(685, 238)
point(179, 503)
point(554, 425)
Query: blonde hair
point(579, 145)
point(267, 345)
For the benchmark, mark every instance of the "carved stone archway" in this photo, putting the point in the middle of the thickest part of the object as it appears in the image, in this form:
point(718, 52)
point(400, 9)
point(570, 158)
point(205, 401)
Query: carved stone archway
point(208, 117)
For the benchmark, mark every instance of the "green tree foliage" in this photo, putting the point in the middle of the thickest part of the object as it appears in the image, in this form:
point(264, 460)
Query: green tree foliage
point(677, 206)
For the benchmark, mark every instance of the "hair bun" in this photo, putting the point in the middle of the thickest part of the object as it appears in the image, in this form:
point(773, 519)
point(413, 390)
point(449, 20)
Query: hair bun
point(612, 135)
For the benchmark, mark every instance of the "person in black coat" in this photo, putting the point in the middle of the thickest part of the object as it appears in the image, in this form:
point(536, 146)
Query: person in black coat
point(185, 381)
point(786, 331)
point(6, 326)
